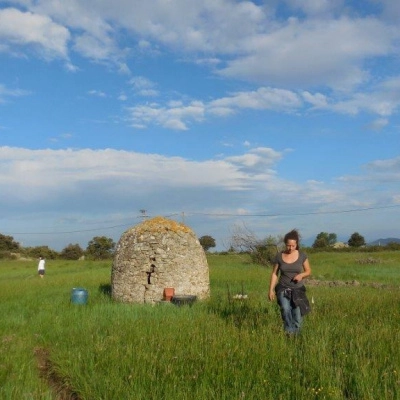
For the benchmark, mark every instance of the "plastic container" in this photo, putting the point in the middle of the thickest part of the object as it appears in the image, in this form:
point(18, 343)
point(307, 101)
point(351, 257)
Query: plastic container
point(79, 296)
point(183, 300)
point(169, 293)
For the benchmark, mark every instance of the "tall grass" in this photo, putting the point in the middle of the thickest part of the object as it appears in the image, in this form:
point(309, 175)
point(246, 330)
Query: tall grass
point(217, 349)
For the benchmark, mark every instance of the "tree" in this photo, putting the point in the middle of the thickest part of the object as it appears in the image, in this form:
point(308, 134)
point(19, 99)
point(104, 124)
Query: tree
point(207, 242)
point(266, 251)
point(262, 251)
point(72, 252)
point(324, 239)
point(243, 240)
point(100, 248)
point(7, 243)
point(356, 240)
point(41, 251)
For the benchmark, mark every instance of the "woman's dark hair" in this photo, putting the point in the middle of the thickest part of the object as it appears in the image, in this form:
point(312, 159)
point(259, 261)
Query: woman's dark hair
point(292, 235)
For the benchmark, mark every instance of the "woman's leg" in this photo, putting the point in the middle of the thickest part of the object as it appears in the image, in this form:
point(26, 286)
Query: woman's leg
point(291, 317)
point(296, 319)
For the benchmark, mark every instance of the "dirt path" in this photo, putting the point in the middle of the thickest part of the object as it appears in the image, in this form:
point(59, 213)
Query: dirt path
point(57, 384)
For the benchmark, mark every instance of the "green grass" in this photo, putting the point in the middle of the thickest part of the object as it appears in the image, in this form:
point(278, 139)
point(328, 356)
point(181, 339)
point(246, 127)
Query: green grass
point(382, 267)
point(216, 349)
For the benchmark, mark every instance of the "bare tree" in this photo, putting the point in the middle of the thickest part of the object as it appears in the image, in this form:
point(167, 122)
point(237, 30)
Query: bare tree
point(243, 239)
point(262, 251)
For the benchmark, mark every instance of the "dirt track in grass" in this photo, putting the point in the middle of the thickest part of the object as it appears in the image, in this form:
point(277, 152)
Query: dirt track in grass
point(57, 384)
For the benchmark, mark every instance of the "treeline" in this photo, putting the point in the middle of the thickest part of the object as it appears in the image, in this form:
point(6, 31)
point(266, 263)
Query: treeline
point(265, 254)
point(263, 251)
point(98, 248)
point(393, 246)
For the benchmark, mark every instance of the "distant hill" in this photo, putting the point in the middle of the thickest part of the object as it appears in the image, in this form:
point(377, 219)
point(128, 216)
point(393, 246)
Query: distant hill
point(384, 242)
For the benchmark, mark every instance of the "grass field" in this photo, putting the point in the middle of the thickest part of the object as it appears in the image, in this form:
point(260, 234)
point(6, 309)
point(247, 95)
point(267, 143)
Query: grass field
point(216, 349)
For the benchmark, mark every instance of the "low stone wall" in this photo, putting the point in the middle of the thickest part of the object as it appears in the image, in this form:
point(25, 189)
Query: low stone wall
point(337, 283)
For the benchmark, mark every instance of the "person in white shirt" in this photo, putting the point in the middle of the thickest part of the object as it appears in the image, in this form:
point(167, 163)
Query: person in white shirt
point(41, 267)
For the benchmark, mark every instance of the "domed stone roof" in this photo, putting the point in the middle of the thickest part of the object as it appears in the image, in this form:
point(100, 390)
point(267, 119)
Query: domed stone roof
point(156, 254)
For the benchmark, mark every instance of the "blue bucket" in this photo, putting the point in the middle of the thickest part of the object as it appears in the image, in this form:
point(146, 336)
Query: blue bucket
point(79, 296)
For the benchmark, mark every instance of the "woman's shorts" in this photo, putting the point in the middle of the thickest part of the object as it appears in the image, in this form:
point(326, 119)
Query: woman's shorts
point(41, 271)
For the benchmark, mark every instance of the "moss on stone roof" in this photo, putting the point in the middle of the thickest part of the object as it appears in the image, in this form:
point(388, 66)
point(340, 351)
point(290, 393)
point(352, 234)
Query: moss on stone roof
point(160, 225)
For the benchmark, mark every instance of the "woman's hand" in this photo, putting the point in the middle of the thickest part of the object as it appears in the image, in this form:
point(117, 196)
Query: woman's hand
point(274, 280)
point(307, 272)
point(298, 278)
point(271, 295)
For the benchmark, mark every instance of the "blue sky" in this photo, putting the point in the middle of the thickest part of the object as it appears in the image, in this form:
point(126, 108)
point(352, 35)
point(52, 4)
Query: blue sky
point(226, 115)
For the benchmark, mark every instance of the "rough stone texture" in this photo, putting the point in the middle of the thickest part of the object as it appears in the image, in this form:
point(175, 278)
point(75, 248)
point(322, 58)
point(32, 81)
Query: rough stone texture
point(156, 254)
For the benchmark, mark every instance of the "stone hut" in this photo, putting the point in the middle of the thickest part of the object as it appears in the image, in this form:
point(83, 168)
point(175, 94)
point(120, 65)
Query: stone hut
point(156, 254)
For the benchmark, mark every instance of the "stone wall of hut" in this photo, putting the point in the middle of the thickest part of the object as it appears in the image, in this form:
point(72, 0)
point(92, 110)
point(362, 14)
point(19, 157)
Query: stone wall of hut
point(156, 254)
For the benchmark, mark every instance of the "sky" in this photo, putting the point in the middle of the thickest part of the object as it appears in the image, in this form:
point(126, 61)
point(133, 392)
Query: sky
point(255, 116)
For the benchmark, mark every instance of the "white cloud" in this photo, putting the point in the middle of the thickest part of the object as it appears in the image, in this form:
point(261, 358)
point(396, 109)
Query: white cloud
point(317, 100)
point(6, 93)
point(47, 190)
point(382, 99)
point(257, 161)
point(389, 166)
point(328, 47)
point(378, 124)
point(123, 97)
point(97, 93)
point(314, 52)
point(264, 98)
point(92, 47)
point(196, 26)
point(175, 116)
point(34, 29)
point(53, 176)
point(143, 86)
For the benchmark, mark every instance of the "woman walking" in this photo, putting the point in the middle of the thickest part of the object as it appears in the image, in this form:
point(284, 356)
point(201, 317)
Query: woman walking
point(290, 269)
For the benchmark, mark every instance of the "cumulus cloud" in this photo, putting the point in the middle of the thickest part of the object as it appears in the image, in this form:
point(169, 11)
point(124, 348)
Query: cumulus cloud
point(314, 53)
point(317, 100)
point(73, 177)
point(143, 86)
point(383, 100)
point(79, 188)
point(329, 47)
point(33, 29)
point(266, 49)
point(177, 114)
point(89, 181)
point(257, 161)
point(209, 26)
point(174, 116)
point(264, 98)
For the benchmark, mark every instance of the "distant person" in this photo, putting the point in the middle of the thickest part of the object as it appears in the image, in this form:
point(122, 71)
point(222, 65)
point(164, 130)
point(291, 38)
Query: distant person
point(41, 267)
point(290, 268)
